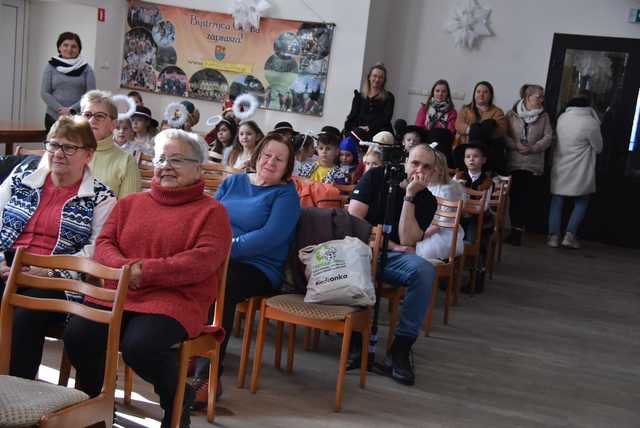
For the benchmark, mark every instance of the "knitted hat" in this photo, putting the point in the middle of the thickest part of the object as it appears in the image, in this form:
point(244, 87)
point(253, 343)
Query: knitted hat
point(384, 138)
point(349, 145)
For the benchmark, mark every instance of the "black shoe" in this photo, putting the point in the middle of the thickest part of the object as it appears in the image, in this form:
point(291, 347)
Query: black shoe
point(355, 352)
point(399, 360)
point(187, 406)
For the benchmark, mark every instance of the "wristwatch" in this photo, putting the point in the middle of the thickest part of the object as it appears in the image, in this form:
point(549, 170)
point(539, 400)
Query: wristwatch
point(408, 198)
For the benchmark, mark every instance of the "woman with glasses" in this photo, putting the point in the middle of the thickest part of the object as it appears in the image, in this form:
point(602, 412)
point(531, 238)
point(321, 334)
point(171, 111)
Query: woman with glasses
point(66, 77)
point(528, 137)
point(58, 208)
point(111, 164)
point(264, 208)
point(176, 239)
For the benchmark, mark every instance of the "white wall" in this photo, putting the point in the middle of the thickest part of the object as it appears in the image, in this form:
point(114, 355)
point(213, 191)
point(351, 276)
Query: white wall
point(377, 36)
point(345, 66)
point(419, 51)
point(45, 21)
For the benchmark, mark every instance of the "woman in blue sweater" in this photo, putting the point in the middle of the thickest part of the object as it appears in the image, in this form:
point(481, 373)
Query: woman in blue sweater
point(264, 209)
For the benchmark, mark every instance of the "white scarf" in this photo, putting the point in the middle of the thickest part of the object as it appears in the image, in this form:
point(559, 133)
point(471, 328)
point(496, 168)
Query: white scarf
point(72, 63)
point(528, 116)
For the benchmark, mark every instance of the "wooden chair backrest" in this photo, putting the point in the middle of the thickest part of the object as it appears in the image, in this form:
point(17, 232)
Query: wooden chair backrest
point(475, 205)
point(22, 151)
point(345, 192)
point(212, 169)
point(375, 242)
point(112, 317)
point(211, 184)
point(146, 175)
point(144, 161)
point(448, 215)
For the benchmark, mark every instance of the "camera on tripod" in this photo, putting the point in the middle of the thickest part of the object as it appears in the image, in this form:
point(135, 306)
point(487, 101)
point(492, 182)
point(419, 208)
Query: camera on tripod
point(393, 156)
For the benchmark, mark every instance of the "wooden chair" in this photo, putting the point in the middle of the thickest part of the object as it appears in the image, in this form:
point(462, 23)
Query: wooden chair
point(210, 169)
point(146, 175)
point(498, 204)
point(22, 151)
point(59, 406)
point(475, 205)
point(447, 216)
point(291, 309)
point(144, 161)
point(207, 345)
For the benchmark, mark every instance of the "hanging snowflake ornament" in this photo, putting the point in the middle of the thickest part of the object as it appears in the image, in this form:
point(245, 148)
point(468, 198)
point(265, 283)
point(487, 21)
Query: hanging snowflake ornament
point(247, 13)
point(467, 22)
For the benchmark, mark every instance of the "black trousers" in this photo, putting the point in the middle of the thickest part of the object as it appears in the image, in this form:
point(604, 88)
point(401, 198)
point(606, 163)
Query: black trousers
point(29, 330)
point(525, 196)
point(243, 281)
point(146, 345)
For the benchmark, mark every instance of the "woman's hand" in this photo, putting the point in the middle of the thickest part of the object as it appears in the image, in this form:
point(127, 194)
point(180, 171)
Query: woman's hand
point(366, 128)
point(522, 149)
point(4, 271)
point(36, 271)
point(135, 276)
point(431, 230)
point(64, 111)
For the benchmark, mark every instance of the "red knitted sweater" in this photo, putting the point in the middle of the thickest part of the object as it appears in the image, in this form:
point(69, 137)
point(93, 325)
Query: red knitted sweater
point(182, 237)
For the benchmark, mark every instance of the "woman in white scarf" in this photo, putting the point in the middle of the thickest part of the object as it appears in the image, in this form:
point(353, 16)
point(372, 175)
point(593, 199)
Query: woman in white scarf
point(528, 136)
point(65, 79)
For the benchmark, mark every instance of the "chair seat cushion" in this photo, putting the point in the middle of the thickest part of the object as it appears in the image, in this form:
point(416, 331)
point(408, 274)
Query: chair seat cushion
point(23, 402)
point(294, 304)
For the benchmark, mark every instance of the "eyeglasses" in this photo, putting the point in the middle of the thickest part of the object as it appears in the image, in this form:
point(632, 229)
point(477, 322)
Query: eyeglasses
point(67, 149)
point(98, 116)
point(176, 163)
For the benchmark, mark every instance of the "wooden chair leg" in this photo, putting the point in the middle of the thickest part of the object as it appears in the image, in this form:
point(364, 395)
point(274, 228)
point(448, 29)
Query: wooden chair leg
point(364, 355)
point(500, 247)
point(456, 292)
point(183, 366)
point(291, 345)
point(278, 350)
point(428, 321)
point(128, 384)
point(65, 370)
point(344, 356)
point(393, 320)
point(447, 299)
point(491, 254)
point(214, 366)
point(307, 339)
point(237, 323)
point(246, 340)
point(316, 339)
point(474, 274)
point(257, 358)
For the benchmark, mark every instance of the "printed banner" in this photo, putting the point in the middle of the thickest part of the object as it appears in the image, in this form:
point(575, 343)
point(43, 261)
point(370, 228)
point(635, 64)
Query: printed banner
point(197, 54)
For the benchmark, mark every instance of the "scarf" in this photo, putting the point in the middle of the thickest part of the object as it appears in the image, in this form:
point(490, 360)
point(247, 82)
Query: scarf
point(527, 117)
point(437, 114)
point(71, 67)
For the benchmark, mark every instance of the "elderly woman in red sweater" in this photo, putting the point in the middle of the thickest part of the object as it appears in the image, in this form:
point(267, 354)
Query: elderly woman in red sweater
point(175, 238)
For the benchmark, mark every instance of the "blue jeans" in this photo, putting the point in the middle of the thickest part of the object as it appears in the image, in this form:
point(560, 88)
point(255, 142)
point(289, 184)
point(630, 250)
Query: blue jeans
point(417, 275)
point(577, 215)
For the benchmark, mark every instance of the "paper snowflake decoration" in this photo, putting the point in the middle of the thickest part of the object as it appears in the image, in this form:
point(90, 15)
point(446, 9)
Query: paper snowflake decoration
point(467, 22)
point(247, 13)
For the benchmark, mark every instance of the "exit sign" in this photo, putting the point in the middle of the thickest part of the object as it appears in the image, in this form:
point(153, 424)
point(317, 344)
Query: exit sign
point(634, 15)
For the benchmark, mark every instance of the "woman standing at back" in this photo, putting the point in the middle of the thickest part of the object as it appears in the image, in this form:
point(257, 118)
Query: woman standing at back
point(371, 109)
point(573, 173)
point(528, 138)
point(439, 111)
point(65, 79)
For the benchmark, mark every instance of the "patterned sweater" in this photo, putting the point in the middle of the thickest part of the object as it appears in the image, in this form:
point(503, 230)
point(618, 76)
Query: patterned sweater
point(82, 216)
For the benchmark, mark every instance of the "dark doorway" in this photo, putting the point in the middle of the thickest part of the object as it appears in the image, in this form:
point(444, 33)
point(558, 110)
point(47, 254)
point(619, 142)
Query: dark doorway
point(608, 67)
